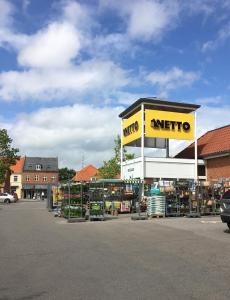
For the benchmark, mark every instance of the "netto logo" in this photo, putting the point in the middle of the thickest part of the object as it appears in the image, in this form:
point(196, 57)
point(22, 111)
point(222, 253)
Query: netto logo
point(131, 129)
point(171, 125)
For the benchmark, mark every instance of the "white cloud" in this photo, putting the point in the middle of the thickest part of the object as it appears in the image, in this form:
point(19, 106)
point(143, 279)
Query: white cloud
point(206, 7)
point(54, 68)
point(172, 79)
point(150, 19)
point(79, 15)
point(222, 36)
point(71, 131)
point(8, 37)
point(215, 100)
point(68, 132)
point(53, 47)
point(50, 84)
point(145, 19)
point(6, 12)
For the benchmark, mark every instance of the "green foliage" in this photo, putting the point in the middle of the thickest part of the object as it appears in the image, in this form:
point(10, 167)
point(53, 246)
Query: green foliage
point(117, 150)
point(111, 168)
point(8, 154)
point(66, 174)
point(73, 211)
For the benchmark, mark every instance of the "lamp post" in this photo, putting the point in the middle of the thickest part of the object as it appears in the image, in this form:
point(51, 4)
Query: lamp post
point(69, 196)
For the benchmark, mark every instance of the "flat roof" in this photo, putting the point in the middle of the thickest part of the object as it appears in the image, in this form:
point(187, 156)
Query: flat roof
point(159, 104)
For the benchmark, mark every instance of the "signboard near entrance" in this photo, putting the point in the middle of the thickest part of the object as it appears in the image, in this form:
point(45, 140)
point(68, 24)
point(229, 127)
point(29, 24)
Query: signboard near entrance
point(169, 125)
point(131, 128)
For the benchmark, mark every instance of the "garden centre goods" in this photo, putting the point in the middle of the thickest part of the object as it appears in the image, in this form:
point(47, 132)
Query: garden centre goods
point(96, 204)
point(73, 201)
point(156, 206)
point(125, 206)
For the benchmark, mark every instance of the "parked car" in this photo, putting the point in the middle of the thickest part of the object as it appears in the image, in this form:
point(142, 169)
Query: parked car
point(6, 198)
point(225, 208)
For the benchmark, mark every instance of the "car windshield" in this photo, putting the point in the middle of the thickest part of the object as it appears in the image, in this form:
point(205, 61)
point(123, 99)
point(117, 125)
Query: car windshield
point(226, 195)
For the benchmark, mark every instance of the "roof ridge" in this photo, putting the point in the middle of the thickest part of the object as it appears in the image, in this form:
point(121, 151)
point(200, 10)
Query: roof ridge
point(217, 128)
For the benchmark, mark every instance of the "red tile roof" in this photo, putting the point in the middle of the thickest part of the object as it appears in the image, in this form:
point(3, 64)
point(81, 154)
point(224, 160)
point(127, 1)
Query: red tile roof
point(18, 167)
point(213, 142)
point(86, 173)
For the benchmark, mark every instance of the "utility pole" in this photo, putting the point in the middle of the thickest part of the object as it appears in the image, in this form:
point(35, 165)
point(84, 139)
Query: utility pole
point(82, 160)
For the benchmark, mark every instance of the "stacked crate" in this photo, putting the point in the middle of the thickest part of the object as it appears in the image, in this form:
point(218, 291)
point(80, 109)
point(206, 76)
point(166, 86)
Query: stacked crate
point(156, 206)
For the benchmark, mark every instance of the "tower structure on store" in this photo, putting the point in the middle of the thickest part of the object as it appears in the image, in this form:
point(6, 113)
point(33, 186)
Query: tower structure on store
point(151, 123)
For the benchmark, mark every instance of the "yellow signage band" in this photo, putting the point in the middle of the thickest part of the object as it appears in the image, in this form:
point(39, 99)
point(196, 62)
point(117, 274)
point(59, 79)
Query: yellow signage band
point(131, 128)
point(170, 125)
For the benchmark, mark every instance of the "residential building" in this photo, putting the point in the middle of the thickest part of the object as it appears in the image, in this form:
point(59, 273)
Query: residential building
point(39, 174)
point(214, 149)
point(5, 186)
point(86, 174)
point(16, 177)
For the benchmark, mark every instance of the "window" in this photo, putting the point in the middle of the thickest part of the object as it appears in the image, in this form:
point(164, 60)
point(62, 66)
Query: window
point(201, 170)
point(27, 178)
point(38, 167)
point(15, 178)
point(44, 178)
point(36, 177)
point(53, 178)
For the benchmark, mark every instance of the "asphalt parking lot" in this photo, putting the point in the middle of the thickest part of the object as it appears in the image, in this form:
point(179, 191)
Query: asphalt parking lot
point(42, 257)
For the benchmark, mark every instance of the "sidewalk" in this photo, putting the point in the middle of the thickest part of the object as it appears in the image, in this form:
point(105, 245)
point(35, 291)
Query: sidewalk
point(30, 200)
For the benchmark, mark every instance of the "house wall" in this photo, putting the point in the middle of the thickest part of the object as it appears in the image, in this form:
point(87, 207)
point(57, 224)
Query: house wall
point(218, 168)
point(16, 185)
point(32, 180)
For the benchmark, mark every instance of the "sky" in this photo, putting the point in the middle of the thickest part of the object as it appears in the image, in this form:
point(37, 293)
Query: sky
point(68, 68)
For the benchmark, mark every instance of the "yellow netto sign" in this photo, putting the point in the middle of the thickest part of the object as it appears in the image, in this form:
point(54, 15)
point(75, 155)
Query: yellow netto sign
point(131, 128)
point(169, 125)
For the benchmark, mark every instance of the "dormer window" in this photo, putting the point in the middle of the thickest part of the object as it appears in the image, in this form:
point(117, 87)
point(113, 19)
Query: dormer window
point(38, 167)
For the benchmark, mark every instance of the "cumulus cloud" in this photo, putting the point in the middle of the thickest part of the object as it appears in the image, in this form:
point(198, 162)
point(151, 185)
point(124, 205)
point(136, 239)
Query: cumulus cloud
point(145, 19)
point(68, 132)
point(90, 76)
point(150, 19)
point(8, 36)
point(172, 79)
point(72, 131)
point(53, 47)
point(53, 66)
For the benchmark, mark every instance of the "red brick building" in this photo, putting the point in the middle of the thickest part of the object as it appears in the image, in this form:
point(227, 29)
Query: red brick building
point(39, 174)
point(214, 149)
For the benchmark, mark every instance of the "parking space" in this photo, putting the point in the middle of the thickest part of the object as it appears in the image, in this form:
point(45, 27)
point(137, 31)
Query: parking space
point(43, 257)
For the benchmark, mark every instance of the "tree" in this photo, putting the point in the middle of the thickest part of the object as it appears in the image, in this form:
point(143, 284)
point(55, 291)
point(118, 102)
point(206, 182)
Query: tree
point(8, 155)
point(117, 150)
point(111, 168)
point(66, 174)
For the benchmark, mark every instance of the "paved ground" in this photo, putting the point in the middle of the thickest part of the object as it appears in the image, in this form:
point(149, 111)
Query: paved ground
point(42, 257)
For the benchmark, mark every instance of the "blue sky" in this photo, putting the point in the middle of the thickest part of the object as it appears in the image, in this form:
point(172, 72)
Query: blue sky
point(68, 68)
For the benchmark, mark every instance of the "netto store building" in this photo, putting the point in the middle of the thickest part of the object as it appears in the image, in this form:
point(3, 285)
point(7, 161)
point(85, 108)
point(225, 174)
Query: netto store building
point(151, 123)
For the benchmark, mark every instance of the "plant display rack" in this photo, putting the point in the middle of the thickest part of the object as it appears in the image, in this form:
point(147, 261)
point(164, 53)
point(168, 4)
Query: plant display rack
point(73, 202)
point(96, 204)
